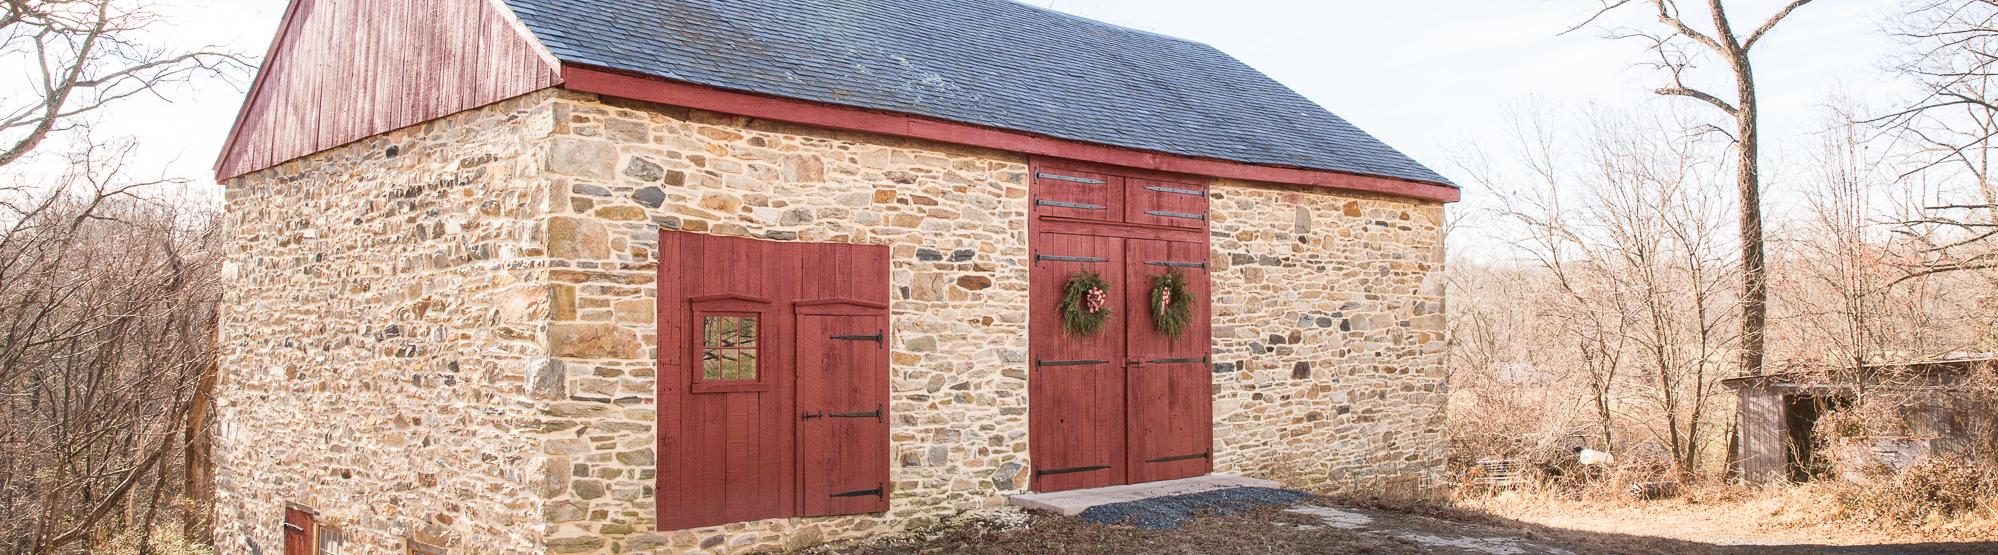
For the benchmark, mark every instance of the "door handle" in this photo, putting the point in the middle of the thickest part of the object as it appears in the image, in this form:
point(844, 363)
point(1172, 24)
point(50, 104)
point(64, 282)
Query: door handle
point(811, 415)
point(1134, 362)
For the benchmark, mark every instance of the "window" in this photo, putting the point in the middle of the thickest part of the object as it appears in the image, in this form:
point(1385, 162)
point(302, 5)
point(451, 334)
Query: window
point(728, 348)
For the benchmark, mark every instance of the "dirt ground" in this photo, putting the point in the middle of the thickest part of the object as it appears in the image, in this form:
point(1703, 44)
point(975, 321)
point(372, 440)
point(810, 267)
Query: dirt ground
point(1326, 527)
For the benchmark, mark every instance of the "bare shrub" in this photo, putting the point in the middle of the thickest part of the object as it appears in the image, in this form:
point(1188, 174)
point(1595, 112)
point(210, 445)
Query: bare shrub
point(1937, 489)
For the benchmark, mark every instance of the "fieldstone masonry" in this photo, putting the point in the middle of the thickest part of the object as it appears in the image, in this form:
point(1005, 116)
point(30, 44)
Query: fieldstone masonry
point(447, 331)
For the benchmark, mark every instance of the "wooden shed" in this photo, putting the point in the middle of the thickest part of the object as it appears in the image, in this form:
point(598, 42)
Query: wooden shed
point(1932, 412)
point(731, 275)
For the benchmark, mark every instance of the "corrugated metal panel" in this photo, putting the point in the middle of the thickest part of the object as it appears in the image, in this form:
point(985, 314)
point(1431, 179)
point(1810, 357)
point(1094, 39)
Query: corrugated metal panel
point(344, 70)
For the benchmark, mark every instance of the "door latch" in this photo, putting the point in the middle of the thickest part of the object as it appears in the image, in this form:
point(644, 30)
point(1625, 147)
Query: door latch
point(811, 415)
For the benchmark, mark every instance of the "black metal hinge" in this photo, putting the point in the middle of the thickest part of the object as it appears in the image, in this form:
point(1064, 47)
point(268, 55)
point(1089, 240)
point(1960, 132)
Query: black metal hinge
point(877, 337)
point(1038, 257)
point(1075, 205)
point(1069, 362)
point(874, 414)
point(1180, 215)
point(1177, 191)
point(878, 491)
point(1070, 179)
point(1071, 470)
point(1172, 264)
point(1202, 360)
point(1201, 455)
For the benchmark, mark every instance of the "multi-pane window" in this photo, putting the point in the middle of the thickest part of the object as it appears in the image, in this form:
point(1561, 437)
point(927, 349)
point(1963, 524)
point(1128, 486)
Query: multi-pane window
point(728, 348)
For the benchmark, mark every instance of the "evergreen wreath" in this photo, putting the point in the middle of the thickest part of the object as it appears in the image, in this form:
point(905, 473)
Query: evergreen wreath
point(1172, 305)
point(1085, 303)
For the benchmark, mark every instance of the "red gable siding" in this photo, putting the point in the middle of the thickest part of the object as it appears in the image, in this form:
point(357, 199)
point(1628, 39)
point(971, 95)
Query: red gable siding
point(344, 70)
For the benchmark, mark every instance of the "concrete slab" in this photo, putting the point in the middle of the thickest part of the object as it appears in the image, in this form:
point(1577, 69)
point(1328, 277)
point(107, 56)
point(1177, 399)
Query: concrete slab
point(1073, 502)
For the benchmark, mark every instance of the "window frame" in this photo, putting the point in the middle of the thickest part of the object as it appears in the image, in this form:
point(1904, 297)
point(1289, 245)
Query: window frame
point(739, 306)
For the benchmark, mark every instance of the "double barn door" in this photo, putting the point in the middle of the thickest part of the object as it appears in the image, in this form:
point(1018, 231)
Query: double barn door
point(1129, 403)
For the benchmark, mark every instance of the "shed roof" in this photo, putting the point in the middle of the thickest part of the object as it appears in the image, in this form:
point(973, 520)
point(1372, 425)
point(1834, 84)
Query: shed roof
point(993, 63)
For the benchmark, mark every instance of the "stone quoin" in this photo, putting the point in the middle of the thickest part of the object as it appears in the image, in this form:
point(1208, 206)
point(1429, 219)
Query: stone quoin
point(494, 289)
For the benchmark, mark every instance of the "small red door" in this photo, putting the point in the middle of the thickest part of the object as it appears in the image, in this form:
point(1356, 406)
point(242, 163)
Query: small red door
point(843, 409)
point(298, 528)
point(1077, 389)
point(1169, 388)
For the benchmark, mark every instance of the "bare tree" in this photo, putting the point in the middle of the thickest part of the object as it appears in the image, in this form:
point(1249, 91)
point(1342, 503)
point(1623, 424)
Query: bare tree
point(82, 56)
point(107, 319)
point(1950, 50)
point(1674, 46)
point(1630, 237)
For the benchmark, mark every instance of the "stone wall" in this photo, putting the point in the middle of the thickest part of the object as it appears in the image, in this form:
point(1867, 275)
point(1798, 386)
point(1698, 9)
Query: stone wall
point(1328, 338)
point(955, 220)
point(456, 340)
point(378, 323)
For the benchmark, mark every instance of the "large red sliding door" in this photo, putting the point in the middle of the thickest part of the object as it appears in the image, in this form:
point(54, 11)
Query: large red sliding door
point(1128, 404)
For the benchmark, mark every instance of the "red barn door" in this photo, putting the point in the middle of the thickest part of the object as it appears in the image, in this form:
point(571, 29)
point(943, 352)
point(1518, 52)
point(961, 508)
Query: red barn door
point(1077, 389)
point(1127, 404)
point(1169, 389)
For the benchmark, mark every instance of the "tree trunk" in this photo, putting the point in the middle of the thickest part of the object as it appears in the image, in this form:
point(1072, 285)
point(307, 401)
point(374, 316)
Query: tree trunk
point(1748, 183)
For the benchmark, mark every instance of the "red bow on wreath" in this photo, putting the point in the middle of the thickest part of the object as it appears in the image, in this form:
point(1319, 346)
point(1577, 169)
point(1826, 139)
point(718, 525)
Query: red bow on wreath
point(1095, 300)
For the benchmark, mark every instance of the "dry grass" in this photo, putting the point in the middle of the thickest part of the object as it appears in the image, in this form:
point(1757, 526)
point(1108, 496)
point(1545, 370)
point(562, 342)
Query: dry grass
point(1816, 513)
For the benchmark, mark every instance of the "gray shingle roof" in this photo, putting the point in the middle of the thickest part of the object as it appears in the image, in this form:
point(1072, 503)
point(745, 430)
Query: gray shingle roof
point(988, 62)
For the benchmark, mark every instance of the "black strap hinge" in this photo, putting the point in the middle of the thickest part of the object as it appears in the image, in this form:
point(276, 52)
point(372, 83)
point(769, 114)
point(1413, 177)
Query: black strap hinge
point(1172, 264)
point(1075, 205)
point(874, 414)
point(1038, 257)
point(1201, 455)
point(1070, 470)
point(1069, 362)
point(878, 337)
point(878, 491)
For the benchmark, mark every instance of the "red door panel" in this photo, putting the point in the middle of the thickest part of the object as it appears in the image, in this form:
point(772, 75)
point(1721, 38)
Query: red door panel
point(298, 529)
point(1077, 388)
point(1169, 387)
point(843, 414)
point(1165, 203)
point(1079, 195)
point(726, 443)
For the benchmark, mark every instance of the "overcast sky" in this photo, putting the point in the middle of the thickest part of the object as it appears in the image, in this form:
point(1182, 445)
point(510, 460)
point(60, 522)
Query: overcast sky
point(1430, 77)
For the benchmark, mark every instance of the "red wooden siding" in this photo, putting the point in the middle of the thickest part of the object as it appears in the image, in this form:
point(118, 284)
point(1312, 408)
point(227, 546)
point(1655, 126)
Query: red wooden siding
point(743, 449)
point(343, 70)
point(1129, 404)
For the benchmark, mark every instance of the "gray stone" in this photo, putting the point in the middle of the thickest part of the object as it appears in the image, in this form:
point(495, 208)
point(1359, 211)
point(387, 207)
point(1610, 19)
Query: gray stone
point(642, 169)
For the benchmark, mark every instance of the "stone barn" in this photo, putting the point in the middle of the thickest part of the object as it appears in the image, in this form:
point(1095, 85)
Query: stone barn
point(613, 276)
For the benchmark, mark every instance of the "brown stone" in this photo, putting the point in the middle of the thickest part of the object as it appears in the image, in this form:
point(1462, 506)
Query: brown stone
point(582, 158)
point(799, 168)
point(593, 341)
point(574, 238)
point(974, 283)
point(561, 303)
